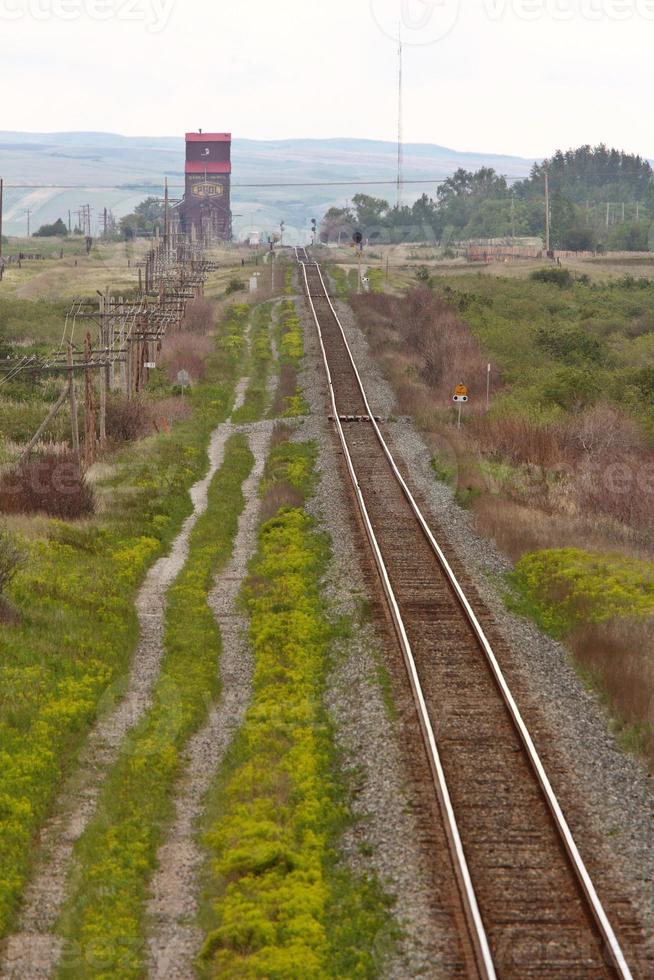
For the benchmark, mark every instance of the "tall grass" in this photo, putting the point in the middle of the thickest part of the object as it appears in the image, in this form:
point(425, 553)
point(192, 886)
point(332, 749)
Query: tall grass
point(619, 657)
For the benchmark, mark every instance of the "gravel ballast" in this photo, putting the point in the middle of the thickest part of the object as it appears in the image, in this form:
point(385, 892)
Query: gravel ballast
point(385, 837)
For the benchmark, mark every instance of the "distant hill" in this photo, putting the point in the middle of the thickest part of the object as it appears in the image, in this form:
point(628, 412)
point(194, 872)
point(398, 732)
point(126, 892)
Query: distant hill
point(119, 171)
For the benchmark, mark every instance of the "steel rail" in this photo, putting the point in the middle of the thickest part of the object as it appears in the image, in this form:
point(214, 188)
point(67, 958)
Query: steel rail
point(581, 872)
point(469, 898)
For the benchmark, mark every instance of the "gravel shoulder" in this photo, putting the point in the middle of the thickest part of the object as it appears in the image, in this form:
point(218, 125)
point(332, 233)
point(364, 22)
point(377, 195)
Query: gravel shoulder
point(606, 794)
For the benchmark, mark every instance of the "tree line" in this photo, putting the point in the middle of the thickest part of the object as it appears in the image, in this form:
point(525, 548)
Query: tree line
point(599, 198)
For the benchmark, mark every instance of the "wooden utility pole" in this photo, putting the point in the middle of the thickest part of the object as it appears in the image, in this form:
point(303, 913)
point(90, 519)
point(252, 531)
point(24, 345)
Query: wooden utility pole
point(166, 222)
point(105, 375)
point(73, 408)
point(547, 212)
point(28, 213)
point(89, 407)
point(48, 419)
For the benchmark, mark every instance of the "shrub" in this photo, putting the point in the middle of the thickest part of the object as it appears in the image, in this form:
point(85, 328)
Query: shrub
point(556, 276)
point(572, 388)
point(234, 286)
point(126, 420)
point(52, 483)
point(198, 317)
point(572, 345)
point(564, 587)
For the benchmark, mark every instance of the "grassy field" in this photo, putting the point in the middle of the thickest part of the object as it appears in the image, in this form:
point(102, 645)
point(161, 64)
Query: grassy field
point(74, 594)
point(559, 470)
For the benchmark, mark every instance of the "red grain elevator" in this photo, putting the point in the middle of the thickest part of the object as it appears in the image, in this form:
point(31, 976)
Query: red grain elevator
point(206, 210)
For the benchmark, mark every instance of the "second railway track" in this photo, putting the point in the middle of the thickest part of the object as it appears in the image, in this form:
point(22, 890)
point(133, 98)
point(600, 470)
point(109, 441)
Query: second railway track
point(528, 904)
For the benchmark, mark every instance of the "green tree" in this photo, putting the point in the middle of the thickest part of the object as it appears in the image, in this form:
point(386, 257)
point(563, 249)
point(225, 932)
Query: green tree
point(146, 216)
point(52, 231)
point(630, 236)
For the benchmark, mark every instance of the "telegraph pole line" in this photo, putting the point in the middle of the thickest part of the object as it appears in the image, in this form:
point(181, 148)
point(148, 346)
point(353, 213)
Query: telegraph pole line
point(73, 408)
point(28, 213)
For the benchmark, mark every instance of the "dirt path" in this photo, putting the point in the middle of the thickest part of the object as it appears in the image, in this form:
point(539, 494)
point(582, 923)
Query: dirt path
point(175, 938)
point(33, 952)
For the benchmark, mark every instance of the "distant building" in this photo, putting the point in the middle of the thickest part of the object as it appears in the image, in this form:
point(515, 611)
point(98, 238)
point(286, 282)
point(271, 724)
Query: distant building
point(205, 211)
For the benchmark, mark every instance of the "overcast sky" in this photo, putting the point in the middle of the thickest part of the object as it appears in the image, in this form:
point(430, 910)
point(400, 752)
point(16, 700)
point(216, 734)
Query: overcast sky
point(507, 76)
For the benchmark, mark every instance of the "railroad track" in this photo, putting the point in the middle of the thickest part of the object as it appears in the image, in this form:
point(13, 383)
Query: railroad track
point(527, 905)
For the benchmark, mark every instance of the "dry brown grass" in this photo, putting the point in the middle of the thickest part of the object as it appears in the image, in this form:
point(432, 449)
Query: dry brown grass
point(279, 495)
point(518, 528)
point(199, 317)
point(423, 325)
point(281, 433)
point(286, 388)
point(186, 351)
point(51, 484)
point(619, 656)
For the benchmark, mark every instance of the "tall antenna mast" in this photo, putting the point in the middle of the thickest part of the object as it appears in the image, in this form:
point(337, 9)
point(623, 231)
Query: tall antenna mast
point(400, 121)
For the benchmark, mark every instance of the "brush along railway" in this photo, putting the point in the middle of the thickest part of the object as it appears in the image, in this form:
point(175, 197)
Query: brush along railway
point(519, 889)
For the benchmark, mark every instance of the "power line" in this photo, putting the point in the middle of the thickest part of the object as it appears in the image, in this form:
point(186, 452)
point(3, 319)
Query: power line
point(321, 183)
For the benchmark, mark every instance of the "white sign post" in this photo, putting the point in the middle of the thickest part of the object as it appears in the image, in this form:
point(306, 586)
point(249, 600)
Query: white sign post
point(460, 398)
point(183, 380)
